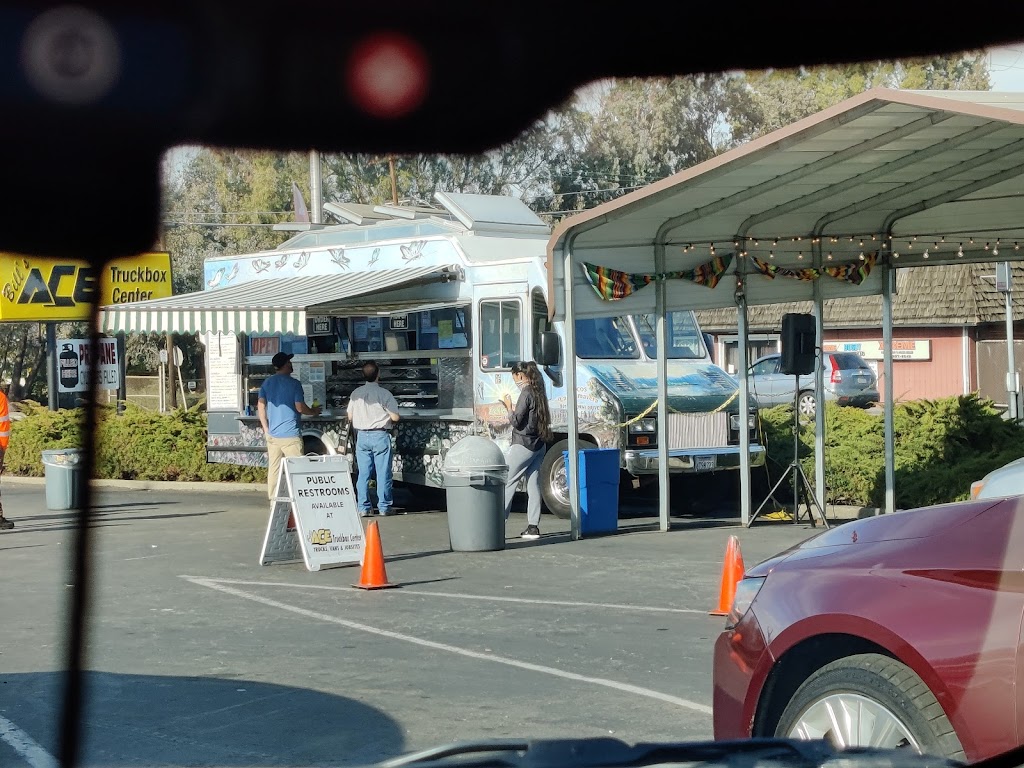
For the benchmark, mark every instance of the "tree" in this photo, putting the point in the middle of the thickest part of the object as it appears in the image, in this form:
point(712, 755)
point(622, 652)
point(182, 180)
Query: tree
point(777, 98)
point(628, 133)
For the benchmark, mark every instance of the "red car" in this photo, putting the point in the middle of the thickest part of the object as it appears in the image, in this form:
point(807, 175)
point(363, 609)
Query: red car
point(897, 631)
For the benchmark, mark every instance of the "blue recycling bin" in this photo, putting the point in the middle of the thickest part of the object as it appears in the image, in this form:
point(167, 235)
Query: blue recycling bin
point(599, 489)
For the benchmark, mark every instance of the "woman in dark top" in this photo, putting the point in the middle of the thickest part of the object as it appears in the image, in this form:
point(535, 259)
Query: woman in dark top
point(531, 432)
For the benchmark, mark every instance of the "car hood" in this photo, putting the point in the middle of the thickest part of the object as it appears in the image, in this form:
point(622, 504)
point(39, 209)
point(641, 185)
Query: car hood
point(911, 524)
point(694, 386)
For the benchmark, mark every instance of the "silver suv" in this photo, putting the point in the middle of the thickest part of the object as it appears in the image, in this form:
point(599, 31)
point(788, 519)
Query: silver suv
point(848, 381)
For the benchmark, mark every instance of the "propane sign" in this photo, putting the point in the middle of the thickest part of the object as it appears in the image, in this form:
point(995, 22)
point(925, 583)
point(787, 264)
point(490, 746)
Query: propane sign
point(33, 288)
point(74, 362)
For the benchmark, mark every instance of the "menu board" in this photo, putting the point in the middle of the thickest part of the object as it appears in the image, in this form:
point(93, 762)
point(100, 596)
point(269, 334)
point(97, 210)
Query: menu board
point(223, 377)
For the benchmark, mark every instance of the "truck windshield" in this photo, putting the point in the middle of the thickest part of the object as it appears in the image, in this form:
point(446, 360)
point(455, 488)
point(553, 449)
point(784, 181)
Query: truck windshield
point(603, 338)
point(684, 339)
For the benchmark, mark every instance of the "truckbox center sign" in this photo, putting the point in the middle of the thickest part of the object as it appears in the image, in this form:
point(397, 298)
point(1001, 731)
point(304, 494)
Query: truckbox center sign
point(44, 289)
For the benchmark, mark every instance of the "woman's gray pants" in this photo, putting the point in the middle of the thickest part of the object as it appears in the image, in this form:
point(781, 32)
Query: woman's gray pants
point(522, 461)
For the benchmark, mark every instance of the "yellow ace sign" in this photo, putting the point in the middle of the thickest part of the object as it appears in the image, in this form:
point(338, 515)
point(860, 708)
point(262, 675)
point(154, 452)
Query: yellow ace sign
point(36, 288)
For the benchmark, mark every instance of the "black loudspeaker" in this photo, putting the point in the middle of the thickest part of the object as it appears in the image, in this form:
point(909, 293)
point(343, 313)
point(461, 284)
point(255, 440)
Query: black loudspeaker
point(797, 344)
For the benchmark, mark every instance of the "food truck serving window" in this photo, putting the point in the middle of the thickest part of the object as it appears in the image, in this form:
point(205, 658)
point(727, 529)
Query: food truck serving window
point(433, 329)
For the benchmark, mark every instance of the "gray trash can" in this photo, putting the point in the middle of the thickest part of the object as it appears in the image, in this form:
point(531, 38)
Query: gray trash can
point(63, 474)
point(475, 471)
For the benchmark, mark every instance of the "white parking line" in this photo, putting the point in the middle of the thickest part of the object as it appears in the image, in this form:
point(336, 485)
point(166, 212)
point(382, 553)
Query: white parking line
point(25, 745)
point(624, 687)
point(464, 596)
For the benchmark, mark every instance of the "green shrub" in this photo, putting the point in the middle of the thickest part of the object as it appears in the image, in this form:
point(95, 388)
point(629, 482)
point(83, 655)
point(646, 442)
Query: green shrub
point(137, 445)
point(941, 447)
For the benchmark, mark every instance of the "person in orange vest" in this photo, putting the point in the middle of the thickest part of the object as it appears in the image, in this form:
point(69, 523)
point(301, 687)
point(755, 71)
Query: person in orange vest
point(5, 440)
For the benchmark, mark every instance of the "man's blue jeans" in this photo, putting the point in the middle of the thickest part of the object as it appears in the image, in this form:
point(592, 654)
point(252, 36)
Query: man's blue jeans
point(373, 452)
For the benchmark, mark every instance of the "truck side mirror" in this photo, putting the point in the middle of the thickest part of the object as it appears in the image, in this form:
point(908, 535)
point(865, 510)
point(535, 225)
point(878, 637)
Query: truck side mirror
point(548, 349)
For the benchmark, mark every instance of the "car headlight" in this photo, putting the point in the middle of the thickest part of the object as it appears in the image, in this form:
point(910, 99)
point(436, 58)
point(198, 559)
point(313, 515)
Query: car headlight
point(746, 591)
point(734, 421)
point(644, 426)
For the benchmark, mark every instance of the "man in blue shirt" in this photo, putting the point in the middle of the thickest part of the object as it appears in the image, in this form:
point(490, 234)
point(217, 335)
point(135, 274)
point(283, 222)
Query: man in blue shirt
point(280, 406)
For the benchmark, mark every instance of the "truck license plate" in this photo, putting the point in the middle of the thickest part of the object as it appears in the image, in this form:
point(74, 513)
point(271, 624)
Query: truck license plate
point(704, 463)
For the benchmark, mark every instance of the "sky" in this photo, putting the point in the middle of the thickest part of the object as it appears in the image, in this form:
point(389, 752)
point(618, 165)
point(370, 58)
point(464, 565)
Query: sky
point(1006, 68)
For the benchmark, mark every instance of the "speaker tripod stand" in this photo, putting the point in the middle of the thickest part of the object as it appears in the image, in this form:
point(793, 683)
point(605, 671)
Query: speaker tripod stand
point(800, 481)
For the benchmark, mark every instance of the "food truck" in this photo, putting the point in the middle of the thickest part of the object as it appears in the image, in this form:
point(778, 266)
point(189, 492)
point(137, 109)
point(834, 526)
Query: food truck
point(445, 300)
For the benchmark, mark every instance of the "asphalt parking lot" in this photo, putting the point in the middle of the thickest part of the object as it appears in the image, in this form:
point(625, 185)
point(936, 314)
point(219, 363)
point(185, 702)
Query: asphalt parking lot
point(200, 656)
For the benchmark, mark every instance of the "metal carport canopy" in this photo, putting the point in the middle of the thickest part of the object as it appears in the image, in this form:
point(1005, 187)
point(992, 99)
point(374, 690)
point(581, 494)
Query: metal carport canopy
point(941, 173)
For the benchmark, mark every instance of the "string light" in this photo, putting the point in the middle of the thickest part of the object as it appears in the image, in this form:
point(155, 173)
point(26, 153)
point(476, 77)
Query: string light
point(771, 254)
point(895, 255)
point(1016, 247)
point(712, 247)
point(800, 255)
point(986, 246)
point(830, 255)
point(926, 253)
point(960, 251)
point(861, 257)
point(995, 249)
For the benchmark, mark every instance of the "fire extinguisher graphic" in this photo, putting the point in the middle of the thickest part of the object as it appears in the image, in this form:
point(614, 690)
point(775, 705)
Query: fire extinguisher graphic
point(68, 368)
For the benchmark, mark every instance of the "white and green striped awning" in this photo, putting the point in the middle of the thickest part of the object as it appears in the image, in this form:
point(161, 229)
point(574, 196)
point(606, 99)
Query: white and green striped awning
point(261, 306)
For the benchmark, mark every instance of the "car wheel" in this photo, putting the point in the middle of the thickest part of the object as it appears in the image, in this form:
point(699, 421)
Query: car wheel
point(870, 700)
point(554, 484)
point(805, 405)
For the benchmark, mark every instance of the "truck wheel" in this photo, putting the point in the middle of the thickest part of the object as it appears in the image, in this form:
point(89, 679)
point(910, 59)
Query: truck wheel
point(870, 700)
point(313, 445)
point(554, 484)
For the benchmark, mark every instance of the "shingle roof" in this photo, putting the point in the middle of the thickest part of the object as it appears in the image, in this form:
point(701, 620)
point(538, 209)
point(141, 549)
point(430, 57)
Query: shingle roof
point(954, 294)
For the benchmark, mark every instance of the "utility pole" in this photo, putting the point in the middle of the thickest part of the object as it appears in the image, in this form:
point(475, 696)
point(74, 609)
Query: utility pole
point(1004, 284)
point(316, 189)
point(394, 179)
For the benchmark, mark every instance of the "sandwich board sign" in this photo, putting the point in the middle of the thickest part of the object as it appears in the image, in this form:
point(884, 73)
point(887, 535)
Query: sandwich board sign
point(316, 493)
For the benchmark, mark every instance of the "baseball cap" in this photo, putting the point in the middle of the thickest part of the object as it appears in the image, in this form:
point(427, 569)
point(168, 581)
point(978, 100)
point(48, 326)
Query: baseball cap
point(280, 359)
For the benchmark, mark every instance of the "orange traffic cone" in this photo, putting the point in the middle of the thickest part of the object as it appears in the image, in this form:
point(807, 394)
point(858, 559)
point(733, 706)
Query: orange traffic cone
point(373, 575)
point(732, 572)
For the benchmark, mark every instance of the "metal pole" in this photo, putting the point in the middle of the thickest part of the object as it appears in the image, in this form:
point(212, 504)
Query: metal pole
point(316, 192)
point(664, 478)
point(122, 374)
point(1011, 366)
point(742, 363)
point(819, 388)
point(890, 434)
point(570, 392)
point(51, 366)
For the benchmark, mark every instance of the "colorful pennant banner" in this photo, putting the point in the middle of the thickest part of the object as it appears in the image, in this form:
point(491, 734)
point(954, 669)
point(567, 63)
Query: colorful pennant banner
point(612, 285)
point(855, 272)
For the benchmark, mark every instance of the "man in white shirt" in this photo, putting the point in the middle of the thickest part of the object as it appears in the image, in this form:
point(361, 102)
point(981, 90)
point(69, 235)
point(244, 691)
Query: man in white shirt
point(372, 411)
